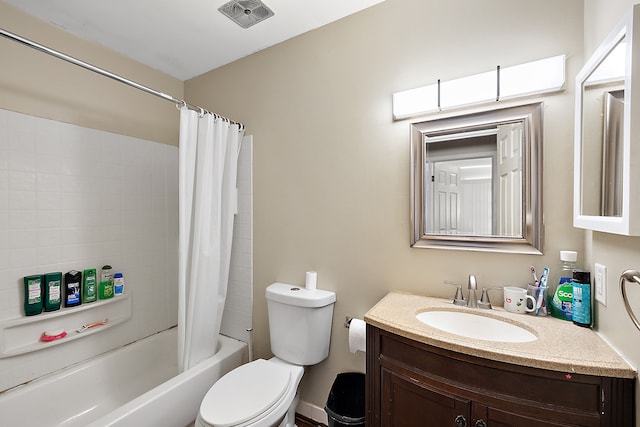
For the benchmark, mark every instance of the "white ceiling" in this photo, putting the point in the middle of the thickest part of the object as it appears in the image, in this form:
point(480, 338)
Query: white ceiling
point(184, 38)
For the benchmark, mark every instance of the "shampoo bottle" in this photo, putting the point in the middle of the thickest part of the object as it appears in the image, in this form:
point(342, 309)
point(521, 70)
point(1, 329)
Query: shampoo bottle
point(32, 295)
point(89, 291)
point(105, 288)
point(52, 291)
point(72, 287)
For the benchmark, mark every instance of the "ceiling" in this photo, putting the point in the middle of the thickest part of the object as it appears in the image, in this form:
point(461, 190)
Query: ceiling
point(184, 38)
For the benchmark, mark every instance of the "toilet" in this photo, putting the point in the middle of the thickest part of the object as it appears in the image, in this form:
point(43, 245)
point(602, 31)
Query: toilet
point(264, 393)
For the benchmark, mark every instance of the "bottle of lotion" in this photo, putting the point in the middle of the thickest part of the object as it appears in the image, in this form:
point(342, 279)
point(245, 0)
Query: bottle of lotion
point(118, 284)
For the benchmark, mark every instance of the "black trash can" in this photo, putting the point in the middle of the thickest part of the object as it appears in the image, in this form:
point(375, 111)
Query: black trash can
point(345, 404)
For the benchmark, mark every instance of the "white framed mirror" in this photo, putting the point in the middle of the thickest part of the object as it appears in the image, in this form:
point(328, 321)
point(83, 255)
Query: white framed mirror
point(607, 134)
point(477, 181)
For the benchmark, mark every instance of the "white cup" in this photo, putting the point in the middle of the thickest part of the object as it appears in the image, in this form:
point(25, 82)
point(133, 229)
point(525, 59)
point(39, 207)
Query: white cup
point(515, 300)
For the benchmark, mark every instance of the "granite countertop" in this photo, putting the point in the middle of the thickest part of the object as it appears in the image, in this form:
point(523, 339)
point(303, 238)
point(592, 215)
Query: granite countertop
point(561, 345)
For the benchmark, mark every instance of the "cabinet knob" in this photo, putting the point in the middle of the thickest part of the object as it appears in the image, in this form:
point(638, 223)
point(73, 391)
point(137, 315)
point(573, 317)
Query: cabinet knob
point(481, 423)
point(461, 421)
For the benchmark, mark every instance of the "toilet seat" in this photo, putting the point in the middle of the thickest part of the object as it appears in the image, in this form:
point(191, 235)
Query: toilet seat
point(246, 393)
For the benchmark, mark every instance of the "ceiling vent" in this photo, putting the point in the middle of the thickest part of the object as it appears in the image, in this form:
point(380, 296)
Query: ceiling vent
point(246, 12)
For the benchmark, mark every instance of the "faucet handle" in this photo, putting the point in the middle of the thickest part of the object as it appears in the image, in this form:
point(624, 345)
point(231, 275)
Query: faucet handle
point(484, 299)
point(458, 299)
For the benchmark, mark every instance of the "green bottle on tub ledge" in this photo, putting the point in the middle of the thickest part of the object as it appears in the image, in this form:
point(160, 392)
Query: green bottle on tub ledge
point(89, 291)
point(105, 288)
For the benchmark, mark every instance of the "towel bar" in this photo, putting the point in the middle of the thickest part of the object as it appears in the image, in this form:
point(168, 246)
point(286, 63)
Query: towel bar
point(629, 276)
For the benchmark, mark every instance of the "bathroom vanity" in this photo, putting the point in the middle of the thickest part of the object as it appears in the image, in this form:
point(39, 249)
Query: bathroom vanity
point(418, 375)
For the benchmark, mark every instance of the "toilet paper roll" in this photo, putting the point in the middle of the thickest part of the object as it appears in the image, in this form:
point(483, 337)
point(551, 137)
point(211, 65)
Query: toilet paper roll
point(311, 280)
point(357, 336)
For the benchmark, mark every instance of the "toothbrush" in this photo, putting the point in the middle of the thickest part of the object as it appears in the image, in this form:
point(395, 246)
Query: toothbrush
point(535, 277)
point(543, 285)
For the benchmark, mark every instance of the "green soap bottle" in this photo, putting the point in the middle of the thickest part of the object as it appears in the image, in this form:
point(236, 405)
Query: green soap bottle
point(32, 295)
point(105, 288)
point(89, 288)
point(52, 291)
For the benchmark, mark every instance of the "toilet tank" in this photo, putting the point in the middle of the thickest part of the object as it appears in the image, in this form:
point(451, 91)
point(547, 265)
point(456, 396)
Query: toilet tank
point(300, 323)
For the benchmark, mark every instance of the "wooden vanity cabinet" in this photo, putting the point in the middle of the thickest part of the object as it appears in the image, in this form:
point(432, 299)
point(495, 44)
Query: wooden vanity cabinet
point(409, 384)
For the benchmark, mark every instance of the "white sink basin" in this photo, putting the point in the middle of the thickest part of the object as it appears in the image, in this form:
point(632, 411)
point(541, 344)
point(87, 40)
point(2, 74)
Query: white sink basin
point(475, 326)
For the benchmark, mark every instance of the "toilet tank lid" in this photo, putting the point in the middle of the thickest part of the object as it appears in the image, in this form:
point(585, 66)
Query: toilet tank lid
point(299, 296)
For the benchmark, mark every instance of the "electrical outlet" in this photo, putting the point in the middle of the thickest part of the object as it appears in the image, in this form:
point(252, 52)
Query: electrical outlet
point(601, 283)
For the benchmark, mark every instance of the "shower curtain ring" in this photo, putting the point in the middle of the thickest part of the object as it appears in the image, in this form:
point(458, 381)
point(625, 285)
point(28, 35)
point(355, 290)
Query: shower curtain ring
point(183, 104)
point(201, 112)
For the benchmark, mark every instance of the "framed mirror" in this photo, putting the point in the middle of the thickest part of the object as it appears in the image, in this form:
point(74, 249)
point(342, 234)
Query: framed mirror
point(607, 126)
point(476, 181)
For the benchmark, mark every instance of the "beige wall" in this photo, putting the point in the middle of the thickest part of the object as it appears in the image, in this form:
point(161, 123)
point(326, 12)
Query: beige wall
point(34, 83)
point(617, 253)
point(331, 168)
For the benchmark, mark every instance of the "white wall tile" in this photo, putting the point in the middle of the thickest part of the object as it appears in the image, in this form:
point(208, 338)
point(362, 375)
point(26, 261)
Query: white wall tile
point(62, 189)
point(238, 312)
point(76, 198)
point(49, 237)
point(48, 182)
point(22, 181)
point(21, 219)
point(22, 161)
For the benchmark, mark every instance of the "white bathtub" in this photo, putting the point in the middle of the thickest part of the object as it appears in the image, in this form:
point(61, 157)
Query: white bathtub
point(136, 385)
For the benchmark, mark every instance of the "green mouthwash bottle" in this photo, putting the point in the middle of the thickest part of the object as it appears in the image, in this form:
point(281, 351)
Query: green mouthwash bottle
point(562, 297)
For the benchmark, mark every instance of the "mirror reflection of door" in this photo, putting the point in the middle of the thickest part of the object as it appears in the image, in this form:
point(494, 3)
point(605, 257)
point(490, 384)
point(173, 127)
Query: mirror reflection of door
point(460, 186)
point(509, 173)
point(463, 196)
point(474, 185)
point(445, 191)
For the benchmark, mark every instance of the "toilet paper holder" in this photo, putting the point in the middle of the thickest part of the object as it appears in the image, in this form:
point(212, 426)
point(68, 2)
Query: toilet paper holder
point(347, 322)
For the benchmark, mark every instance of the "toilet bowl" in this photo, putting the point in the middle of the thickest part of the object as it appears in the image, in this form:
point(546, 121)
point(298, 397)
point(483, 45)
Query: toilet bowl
point(264, 393)
point(259, 394)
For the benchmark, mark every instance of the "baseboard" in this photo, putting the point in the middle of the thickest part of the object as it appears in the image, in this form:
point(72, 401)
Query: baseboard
point(312, 412)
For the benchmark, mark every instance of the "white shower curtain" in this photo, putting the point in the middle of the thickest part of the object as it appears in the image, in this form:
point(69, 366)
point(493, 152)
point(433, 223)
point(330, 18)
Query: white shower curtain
point(208, 156)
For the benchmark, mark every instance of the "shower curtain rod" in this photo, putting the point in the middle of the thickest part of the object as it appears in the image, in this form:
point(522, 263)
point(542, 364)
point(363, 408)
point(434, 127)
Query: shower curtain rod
point(60, 55)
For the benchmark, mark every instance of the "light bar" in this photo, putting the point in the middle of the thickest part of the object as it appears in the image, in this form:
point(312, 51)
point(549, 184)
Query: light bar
point(532, 78)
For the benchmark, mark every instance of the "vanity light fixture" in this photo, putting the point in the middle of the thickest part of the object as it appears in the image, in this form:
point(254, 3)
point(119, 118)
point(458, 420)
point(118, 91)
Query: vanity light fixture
point(532, 78)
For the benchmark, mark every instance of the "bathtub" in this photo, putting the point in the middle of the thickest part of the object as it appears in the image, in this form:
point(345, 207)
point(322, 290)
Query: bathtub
point(135, 385)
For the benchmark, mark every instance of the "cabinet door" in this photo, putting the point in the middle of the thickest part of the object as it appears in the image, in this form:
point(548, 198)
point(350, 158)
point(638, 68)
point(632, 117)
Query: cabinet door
point(407, 403)
point(499, 417)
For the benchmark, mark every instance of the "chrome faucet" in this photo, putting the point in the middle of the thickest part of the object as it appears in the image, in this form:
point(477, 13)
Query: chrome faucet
point(472, 301)
point(473, 286)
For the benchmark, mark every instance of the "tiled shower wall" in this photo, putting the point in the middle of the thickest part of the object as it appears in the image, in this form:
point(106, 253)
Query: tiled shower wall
point(237, 317)
point(76, 198)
